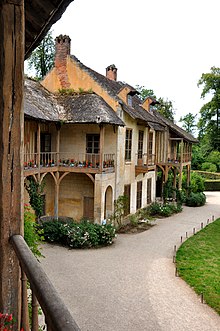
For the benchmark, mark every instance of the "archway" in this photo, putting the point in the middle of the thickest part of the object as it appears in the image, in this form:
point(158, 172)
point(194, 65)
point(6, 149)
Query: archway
point(108, 202)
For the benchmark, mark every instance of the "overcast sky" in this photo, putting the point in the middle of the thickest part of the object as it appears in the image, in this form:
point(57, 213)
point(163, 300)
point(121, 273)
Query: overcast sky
point(164, 45)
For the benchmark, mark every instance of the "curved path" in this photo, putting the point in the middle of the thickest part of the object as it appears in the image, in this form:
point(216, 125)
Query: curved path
point(132, 285)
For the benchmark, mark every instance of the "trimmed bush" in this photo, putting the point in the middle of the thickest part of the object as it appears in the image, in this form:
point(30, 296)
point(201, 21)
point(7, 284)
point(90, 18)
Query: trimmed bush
point(208, 166)
point(212, 185)
point(196, 199)
point(78, 235)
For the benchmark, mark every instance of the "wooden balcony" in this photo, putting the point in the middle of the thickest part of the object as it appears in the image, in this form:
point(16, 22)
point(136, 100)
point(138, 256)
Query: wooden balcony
point(175, 159)
point(145, 163)
point(72, 162)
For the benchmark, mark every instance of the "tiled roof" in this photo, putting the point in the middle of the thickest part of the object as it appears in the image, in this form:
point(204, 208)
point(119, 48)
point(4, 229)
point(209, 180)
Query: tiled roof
point(79, 108)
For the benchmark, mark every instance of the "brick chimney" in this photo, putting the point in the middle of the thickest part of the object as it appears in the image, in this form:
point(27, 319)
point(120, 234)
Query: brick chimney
point(62, 51)
point(111, 72)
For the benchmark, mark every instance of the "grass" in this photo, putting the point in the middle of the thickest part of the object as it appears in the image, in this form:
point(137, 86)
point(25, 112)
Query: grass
point(198, 263)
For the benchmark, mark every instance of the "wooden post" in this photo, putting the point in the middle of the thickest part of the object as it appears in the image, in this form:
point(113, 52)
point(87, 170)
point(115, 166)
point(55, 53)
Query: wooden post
point(38, 149)
point(56, 201)
point(174, 183)
point(58, 145)
point(101, 149)
point(188, 174)
point(11, 150)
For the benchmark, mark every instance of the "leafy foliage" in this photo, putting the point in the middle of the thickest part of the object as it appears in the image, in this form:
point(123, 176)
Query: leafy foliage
point(189, 122)
point(32, 235)
point(209, 123)
point(42, 58)
point(78, 235)
point(120, 205)
point(35, 191)
point(196, 199)
point(165, 210)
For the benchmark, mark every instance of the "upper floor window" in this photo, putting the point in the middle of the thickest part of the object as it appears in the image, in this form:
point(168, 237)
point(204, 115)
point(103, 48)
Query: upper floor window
point(92, 143)
point(140, 144)
point(129, 100)
point(128, 144)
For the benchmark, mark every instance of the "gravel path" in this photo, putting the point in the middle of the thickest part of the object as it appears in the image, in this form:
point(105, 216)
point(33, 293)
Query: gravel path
point(132, 285)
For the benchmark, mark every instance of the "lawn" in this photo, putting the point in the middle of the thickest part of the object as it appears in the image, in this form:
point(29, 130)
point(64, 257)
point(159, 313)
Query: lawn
point(198, 263)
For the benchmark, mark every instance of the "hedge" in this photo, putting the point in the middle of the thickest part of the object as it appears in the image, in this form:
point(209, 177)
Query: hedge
point(212, 185)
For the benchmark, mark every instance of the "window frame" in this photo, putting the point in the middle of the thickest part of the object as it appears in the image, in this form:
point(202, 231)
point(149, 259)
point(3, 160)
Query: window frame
point(128, 144)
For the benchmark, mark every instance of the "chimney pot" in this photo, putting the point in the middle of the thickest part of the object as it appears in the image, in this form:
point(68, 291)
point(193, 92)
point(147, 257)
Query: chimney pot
point(111, 72)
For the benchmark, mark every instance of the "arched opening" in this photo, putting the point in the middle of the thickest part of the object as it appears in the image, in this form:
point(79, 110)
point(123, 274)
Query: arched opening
point(108, 202)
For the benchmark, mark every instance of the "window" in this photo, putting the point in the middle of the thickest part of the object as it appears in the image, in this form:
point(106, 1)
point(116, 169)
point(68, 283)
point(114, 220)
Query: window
point(140, 144)
point(139, 195)
point(128, 143)
point(129, 100)
point(92, 143)
point(45, 141)
point(150, 149)
point(127, 193)
point(149, 188)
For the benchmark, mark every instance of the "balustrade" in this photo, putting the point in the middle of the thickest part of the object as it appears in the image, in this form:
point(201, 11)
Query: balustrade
point(57, 316)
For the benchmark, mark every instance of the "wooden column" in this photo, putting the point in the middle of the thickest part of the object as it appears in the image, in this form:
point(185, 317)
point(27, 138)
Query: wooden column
point(38, 149)
point(174, 183)
point(56, 201)
point(11, 149)
point(58, 144)
point(188, 174)
point(101, 147)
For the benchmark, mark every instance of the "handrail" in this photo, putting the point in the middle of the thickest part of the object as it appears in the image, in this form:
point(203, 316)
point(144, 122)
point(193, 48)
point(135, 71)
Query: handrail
point(57, 315)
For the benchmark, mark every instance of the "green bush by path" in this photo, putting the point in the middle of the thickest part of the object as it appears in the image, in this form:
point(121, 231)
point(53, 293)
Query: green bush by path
point(195, 199)
point(198, 263)
point(78, 235)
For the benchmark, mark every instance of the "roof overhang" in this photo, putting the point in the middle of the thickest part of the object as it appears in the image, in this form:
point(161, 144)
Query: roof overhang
point(39, 17)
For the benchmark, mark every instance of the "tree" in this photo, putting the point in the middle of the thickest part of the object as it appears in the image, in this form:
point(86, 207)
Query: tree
point(144, 92)
point(209, 123)
point(164, 107)
point(42, 58)
point(189, 122)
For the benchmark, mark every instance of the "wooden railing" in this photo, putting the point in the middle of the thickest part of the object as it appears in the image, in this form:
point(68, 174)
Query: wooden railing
point(57, 316)
point(145, 160)
point(175, 158)
point(79, 160)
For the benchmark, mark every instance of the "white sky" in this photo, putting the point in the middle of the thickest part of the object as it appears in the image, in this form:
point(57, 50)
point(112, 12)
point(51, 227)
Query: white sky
point(164, 45)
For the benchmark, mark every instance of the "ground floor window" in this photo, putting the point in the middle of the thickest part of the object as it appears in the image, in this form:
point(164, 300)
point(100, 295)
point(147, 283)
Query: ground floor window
point(139, 195)
point(127, 193)
point(149, 188)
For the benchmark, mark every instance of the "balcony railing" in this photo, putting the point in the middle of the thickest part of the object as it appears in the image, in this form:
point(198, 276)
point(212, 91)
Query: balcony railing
point(71, 160)
point(57, 316)
point(145, 160)
point(175, 158)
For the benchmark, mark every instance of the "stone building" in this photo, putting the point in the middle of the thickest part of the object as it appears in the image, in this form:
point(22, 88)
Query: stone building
point(91, 139)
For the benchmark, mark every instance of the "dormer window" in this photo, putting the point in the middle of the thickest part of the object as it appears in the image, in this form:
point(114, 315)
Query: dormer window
point(129, 100)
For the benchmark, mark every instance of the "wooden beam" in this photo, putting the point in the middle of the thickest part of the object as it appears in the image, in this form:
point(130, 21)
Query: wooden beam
point(11, 150)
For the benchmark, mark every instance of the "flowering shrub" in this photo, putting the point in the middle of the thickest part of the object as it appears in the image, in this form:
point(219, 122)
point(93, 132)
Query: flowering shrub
point(6, 322)
point(78, 235)
point(165, 210)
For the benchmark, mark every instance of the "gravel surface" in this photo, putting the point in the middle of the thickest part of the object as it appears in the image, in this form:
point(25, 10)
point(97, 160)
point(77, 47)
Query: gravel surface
point(131, 285)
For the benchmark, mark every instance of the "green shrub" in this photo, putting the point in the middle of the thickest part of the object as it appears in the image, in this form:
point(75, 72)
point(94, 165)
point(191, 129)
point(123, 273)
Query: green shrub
point(208, 166)
point(78, 235)
point(32, 235)
point(212, 185)
point(196, 183)
point(166, 210)
point(196, 199)
point(154, 209)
